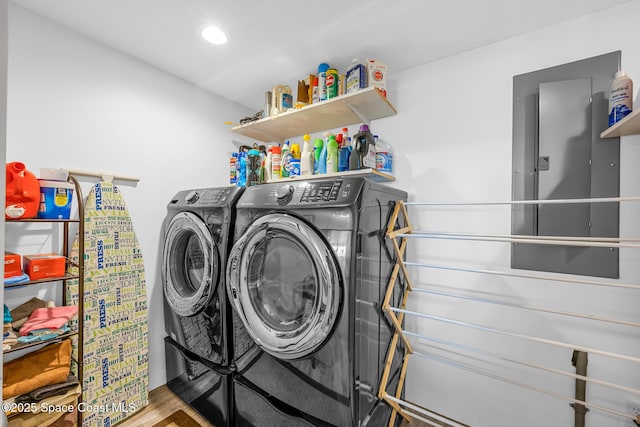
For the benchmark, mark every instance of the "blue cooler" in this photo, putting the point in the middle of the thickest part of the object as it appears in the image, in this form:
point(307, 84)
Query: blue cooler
point(55, 199)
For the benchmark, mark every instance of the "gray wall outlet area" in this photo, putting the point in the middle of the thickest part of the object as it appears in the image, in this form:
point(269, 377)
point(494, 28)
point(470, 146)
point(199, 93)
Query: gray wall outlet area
point(558, 115)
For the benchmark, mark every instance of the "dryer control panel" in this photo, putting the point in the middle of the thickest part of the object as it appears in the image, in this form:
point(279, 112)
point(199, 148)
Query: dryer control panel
point(304, 193)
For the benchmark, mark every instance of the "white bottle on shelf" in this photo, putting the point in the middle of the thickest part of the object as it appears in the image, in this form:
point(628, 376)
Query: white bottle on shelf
point(620, 97)
point(306, 157)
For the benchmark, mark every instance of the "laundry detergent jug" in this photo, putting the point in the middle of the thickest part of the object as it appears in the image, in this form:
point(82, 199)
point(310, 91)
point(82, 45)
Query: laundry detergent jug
point(23, 192)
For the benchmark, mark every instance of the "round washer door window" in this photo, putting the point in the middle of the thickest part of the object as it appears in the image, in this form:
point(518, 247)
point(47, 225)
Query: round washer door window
point(190, 264)
point(285, 284)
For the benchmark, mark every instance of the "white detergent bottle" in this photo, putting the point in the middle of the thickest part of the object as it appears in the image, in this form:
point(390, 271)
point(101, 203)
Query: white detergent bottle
point(620, 97)
point(384, 155)
point(306, 157)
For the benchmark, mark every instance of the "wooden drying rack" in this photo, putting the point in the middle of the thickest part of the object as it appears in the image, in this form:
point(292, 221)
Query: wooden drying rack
point(399, 249)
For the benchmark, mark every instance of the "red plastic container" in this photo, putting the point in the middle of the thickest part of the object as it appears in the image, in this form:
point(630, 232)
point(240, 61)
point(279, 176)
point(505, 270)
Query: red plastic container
point(23, 192)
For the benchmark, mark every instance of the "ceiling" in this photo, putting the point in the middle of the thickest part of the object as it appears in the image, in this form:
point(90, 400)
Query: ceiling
point(282, 41)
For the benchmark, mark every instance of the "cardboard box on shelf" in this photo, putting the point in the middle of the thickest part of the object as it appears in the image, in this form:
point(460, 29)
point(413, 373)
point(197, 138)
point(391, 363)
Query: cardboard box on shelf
point(44, 266)
point(12, 265)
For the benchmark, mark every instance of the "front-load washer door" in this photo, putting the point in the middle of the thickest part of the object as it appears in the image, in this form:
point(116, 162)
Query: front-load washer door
point(285, 284)
point(190, 265)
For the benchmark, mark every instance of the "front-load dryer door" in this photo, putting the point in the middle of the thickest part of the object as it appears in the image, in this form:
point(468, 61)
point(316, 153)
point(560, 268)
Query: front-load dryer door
point(285, 284)
point(190, 267)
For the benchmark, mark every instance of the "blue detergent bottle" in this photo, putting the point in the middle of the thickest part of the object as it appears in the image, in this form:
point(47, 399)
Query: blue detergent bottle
point(322, 161)
point(317, 149)
point(242, 169)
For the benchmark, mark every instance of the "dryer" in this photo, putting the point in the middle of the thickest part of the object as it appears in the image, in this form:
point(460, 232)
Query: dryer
point(196, 238)
point(306, 276)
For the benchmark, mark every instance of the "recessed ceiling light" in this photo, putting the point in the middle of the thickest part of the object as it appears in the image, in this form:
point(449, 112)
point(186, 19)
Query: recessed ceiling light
point(214, 35)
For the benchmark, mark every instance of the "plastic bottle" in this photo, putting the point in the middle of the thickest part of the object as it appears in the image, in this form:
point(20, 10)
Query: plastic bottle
point(322, 81)
point(254, 162)
point(344, 152)
point(315, 93)
point(286, 158)
point(333, 82)
point(620, 97)
point(22, 196)
point(363, 154)
point(384, 155)
point(233, 169)
point(332, 154)
point(322, 160)
point(282, 99)
point(345, 134)
point(317, 149)
point(276, 161)
point(242, 169)
point(268, 164)
point(294, 160)
point(306, 157)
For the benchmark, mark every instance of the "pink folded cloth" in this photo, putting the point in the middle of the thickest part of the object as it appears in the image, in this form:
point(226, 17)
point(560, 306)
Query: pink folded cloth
point(48, 318)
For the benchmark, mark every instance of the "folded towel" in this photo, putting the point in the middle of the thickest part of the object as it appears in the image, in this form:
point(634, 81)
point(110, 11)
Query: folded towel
point(46, 366)
point(67, 401)
point(7, 315)
point(48, 318)
point(49, 390)
point(24, 277)
point(25, 309)
point(44, 334)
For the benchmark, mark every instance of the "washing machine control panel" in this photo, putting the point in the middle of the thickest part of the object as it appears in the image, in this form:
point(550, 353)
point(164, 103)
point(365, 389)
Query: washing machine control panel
point(209, 196)
point(321, 191)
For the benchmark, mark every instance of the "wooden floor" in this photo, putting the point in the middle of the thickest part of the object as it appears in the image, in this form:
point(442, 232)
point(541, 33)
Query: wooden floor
point(162, 403)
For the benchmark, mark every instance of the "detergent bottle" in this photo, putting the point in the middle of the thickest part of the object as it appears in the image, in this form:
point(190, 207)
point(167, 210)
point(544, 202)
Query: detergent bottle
point(384, 155)
point(344, 152)
point(363, 153)
point(322, 162)
point(268, 164)
point(282, 99)
point(620, 97)
point(286, 159)
point(276, 162)
point(242, 169)
point(318, 144)
point(294, 162)
point(254, 162)
point(22, 192)
point(306, 157)
point(332, 154)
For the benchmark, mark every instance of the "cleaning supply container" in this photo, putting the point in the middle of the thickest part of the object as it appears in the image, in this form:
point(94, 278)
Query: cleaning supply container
point(22, 192)
point(620, 97)
point(55, 199)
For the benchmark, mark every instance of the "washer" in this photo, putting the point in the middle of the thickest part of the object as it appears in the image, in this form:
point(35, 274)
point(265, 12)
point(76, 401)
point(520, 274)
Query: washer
point(196, 238)
point(306, 277)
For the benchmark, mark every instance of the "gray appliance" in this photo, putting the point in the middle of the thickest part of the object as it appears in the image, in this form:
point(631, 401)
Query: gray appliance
point(196, 239)
point(306, 277)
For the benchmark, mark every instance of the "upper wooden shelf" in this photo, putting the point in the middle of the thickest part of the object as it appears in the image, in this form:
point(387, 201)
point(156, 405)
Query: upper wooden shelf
point(630, 125)
point(358, 107)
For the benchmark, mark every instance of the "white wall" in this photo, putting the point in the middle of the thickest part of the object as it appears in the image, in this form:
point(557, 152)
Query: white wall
point(3, 120)
point(452, 138)
point(73, 103)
